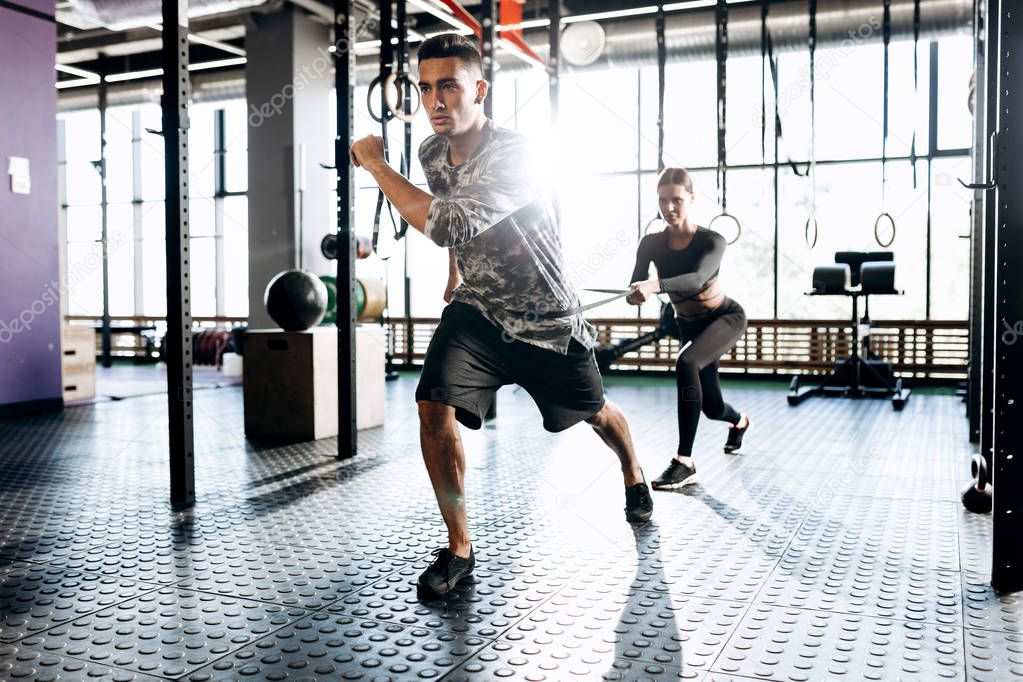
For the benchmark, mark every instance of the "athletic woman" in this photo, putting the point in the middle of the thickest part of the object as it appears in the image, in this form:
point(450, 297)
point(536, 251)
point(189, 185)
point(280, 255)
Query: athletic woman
point(688, 258)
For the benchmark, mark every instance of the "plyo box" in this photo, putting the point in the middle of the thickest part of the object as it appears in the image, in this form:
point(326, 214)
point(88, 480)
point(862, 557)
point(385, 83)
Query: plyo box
point(290, 382)
point(78, 362)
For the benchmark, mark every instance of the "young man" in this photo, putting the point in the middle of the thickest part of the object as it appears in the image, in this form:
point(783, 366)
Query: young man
point(498, 329)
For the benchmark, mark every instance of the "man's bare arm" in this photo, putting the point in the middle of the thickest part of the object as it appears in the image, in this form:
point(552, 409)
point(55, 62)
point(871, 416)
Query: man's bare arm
point(412, 203)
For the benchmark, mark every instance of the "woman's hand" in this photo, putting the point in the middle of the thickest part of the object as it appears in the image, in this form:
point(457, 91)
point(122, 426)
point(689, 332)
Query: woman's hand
point(643, 291)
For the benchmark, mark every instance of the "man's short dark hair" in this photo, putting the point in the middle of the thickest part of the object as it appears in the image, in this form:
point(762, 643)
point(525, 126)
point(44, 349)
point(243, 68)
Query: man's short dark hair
point(452, 45)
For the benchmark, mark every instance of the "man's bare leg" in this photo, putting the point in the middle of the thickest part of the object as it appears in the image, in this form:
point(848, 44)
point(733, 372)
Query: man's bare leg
point(445, 462)
point(612, 427)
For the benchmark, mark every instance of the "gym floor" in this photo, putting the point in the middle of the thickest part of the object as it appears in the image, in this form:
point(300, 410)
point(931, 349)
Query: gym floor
point(834, 547)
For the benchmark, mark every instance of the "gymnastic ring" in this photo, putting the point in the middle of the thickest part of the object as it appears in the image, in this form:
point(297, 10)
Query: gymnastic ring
point(806, 231)
point(877, 236)
point(377, 80)
point(657, 221)
point(738, 225)
point(396, 104)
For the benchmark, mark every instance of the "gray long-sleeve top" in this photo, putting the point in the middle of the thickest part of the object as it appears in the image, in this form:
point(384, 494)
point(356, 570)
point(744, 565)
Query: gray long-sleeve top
point(684, 273)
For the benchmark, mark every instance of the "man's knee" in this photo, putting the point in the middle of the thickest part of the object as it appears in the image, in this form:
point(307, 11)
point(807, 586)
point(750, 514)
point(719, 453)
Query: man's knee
point(435, 415)
point(601, 417)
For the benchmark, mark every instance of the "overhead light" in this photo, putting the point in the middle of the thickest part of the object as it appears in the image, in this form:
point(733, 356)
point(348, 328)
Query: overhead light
point(133, 75)
point(529, 23)
point(217, 63)
point(616, 14)
point(693, 4)
point(444, 14)
point(145, 73)
point(86, 77)
point(76, 83)
point(613, 14)
point(209, 42)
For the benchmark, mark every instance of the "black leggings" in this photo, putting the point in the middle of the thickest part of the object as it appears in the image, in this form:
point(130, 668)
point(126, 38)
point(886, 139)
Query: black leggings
point(696, 371)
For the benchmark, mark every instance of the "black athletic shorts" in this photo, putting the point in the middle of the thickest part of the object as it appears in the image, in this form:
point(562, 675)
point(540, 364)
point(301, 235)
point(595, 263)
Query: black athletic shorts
point(468, 360)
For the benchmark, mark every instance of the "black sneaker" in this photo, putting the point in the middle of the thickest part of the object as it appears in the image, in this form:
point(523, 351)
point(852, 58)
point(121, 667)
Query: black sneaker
point(445, 572)
point(676, 475)
point(735, 434)
point(639, 506)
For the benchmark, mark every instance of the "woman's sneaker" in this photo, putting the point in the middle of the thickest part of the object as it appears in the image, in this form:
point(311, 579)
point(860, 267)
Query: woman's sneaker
point(676, 475)
point(735, 434)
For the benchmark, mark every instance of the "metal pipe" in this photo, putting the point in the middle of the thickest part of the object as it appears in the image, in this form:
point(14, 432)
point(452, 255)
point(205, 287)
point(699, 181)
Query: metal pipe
point(689, 34)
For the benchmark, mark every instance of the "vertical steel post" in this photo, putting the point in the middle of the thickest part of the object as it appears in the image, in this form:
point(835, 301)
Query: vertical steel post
point(1007, 529)
point(403, 65)
point(344, 82)
point(174, 102)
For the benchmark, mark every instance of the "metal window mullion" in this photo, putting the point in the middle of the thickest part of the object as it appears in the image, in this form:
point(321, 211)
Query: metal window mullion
point(219, 153)
point(62, 214)
point(220, 272)
point(219, 192)
point(932, 143)
point(138, 253)
point(104, 214)
point(776, 260)
point(639, 164)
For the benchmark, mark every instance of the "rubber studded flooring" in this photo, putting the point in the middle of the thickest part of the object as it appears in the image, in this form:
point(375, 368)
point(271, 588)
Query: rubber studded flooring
point(834, 547)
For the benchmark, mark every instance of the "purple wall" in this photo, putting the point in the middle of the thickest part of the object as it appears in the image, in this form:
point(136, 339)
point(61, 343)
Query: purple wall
point(44, 6)
point(29, 239)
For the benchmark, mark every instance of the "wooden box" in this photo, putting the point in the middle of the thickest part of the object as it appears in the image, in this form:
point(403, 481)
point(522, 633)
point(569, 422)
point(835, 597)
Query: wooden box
point(290, 382)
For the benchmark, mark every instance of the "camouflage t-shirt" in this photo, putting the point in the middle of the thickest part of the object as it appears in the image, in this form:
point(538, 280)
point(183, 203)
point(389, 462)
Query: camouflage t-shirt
point(502, 225)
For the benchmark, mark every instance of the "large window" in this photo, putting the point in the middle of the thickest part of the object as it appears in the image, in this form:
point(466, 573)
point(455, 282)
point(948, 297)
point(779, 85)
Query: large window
point(603, 165)
point(613, 146)
point(136, 240)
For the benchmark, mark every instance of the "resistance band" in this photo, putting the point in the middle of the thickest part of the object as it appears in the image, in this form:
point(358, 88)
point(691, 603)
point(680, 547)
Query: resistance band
point(662, 60)
point(810, 229)
point(721, 59)
point(886, 32)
